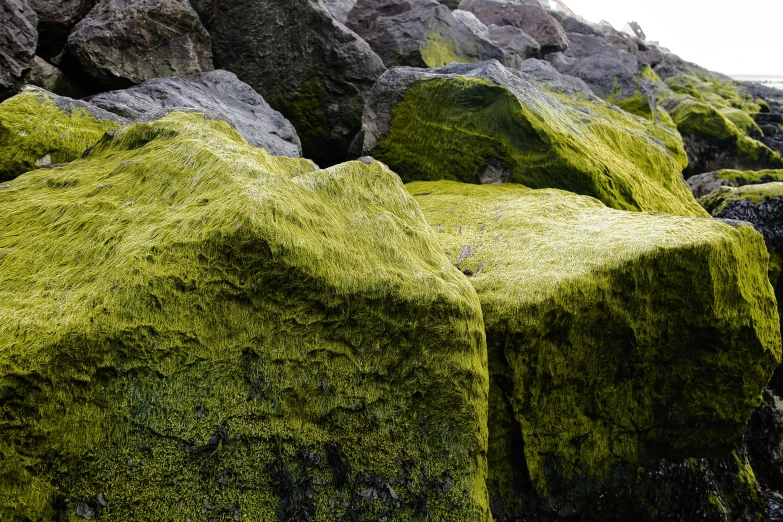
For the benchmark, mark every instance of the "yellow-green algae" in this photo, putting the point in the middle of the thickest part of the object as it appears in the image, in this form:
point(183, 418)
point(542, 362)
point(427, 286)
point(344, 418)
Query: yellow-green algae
point(439, 51)
point(191, 326)
point(750, 177)
point(467, 129)
point(615, 338)
point(717, 200)
point(34, 130)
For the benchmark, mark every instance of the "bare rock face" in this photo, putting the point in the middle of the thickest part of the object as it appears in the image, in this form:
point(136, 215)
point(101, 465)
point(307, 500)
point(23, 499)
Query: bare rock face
point(48, 77)
point(56, 18)
point(127, 42)
point(219, 95)
point(531, 18)
point(515, 40)
point(339, 8)
point(18, 39)
point(307, 65)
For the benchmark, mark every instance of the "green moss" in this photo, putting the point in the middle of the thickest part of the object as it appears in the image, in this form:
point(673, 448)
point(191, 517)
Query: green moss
point(645, 71)
point(438, 51)
point(742, 121)
point(34, 131)
point(718, 92)
point(749, 177)
point(615, 338)
point(192, 326)
point(470, 130)
point(717, 200)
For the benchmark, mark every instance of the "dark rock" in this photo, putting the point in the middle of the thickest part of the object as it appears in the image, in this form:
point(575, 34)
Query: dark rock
point(18, 38)
point(575, 24)
point(469, 19)
point(127, 42)
point(52, 79)
point(56, 18)
point(543, 72)
point(515, 40)
point(339, 8)
point(220, 95)
point(532, 19)
point(419, 33)
point(308, 66)
point(764, 439)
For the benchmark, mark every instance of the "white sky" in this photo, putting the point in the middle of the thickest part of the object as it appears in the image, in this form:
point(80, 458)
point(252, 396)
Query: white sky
point(743, 37)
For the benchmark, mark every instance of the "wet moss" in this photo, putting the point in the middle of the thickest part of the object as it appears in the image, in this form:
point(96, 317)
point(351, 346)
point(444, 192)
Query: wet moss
point(439, 51)
point(191, 327)
point(470, 130)
point(717, 200)
point(615, 339)
point(35, 132)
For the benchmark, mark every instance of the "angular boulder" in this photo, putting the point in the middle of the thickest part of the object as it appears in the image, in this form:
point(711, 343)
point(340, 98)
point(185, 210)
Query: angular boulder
point(218, 94)
point(339, 9)
point(616, 340)
point(52, 79)
point(418, 33)
point(484, 123)
point(121, 43)
point(308, 66)
point(41, 129)
point(195, 327)
point(56, 19)
point(18, 38)
point(530, 17)
point(515, 40)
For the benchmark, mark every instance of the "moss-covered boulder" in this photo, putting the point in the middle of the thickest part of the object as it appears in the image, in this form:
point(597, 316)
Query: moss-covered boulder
point(616, 339)
point(193, 328)
point(703, 184)
point(484, 123)
point(38, 129)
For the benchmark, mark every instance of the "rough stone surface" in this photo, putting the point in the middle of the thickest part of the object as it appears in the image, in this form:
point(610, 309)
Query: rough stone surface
point(41, 129)
point(469, 19)
point(514, 40)
point(419, 33)
point(218, 94)
point(18, 38)
point(703, 184)
point(616, 340)
point(194, 328)
point(52, 79)
point(552, 80)
point(339, 9)
point(308, 66)
point(484, 123)
point(56, 19)
point(531, 18)
point(122, 43)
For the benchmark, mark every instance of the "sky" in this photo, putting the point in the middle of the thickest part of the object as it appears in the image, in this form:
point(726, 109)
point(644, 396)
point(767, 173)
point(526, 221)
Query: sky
point(729, 37)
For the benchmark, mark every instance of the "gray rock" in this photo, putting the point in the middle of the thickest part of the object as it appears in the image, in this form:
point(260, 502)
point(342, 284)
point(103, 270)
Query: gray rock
point(544, 74)
point(127, 42)
point(419, 33)
point(469, 20)
point(339, 8)
point(703, 184)
point(531, 18)
point(52, 79)
point(307, 65)
point(576, 24)
point(56, 19)
point(18, 39)
point(515, 40)
point(218, 94)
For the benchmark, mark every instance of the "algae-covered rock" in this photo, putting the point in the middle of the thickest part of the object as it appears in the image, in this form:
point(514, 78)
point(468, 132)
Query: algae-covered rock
point(39, 129)
point(191, 326)
point(50, 78)
point(308, 66)
point(703, 184)
point(616, 340)
point(219, 94)
point(484, 123)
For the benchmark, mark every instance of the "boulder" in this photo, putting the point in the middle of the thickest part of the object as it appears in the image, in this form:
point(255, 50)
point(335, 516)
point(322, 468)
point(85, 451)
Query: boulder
point(308, 66)
point(619, 343)
point(703, 184)
point(531, 18)
point(419, 33)
point(339, 9)
point(121, 43)
point(41, 129)
point(484, 123)
point(56, 19)
point(50, 78)
point(194, 328)
point(546, 76)
point(18, 38)
point(514, 40)
point(220, 95)
point(474, 24)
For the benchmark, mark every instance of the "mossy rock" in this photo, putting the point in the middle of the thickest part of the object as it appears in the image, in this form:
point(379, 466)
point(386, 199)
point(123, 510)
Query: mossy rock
point(703, 184)
point(38, 128)
point(713, 141)
point(615, 339)
point(484, 123)
point(192, 326)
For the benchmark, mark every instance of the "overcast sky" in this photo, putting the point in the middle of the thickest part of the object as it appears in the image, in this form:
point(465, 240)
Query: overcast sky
point(743, 37)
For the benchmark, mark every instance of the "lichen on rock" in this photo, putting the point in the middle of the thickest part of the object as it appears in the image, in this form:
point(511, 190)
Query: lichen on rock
point(192, 326)
point(616, 340)
point(38, 129)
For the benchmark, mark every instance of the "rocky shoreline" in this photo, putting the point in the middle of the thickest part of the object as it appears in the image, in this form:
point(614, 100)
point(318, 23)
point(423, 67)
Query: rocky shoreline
point(391, 260)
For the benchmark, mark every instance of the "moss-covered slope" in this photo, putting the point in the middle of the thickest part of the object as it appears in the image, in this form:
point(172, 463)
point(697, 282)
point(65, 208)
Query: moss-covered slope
point(38, 128)
point(483, 123)
point(615, 339)
point(190, 326)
